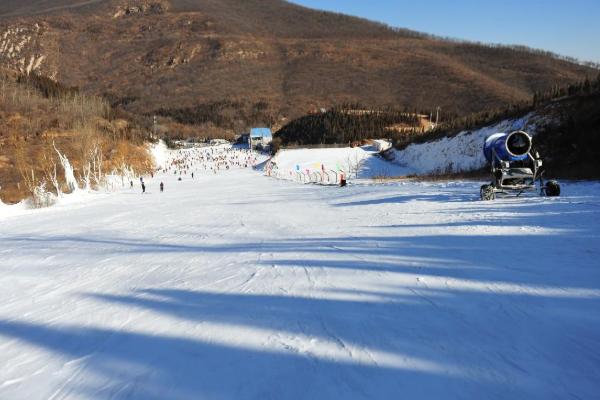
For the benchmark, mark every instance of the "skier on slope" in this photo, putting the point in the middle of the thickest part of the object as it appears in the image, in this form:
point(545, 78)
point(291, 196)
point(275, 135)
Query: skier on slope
point(162, 187)
point(143, 187)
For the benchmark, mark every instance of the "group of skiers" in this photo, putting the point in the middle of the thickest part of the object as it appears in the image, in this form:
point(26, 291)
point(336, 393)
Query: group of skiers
point(143, 185)
point(208, 159)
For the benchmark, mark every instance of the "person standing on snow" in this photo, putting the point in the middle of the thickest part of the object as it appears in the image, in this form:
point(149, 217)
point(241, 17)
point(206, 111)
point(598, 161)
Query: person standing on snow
point(162, 187)
point(143, 187)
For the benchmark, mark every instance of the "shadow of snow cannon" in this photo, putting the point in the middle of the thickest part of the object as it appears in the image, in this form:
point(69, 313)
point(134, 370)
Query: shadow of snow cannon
point(515, 168)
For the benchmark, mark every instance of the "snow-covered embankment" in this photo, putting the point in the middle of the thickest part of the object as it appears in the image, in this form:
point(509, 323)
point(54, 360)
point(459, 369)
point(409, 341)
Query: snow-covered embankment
point(460, 153)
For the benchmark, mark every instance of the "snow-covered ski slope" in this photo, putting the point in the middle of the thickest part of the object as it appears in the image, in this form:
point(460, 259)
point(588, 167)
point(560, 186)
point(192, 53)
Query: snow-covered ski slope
point(235, 286)
point(362, 163)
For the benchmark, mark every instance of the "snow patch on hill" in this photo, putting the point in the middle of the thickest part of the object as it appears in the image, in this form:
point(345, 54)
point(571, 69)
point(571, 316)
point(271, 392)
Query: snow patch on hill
point(21, 48)
point(460, 153)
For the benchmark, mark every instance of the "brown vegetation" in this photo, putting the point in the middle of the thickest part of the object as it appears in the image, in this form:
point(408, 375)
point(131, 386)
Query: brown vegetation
point(178, 56)
point(34, 128)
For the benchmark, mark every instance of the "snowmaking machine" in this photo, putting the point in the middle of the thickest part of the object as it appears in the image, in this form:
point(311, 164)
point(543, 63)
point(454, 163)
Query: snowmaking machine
point(515, 167)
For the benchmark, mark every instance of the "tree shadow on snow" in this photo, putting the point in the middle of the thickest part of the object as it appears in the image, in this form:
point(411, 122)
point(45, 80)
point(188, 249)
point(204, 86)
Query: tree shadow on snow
point(484, 316)
point(134, 365)
point(438, 197)
point(470, 344)
point(459, 342)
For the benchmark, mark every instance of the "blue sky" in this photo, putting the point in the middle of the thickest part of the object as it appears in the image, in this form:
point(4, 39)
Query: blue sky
point(567, 27)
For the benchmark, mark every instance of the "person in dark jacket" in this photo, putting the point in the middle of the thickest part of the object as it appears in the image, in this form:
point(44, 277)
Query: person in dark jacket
point(162, 187)
point(143, 187)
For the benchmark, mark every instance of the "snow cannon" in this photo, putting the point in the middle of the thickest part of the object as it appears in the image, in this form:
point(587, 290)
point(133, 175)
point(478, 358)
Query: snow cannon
point(515, 167)
point(513, 146)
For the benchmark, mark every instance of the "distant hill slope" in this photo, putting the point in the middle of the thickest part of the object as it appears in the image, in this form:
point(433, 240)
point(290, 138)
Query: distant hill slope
point(152, 54)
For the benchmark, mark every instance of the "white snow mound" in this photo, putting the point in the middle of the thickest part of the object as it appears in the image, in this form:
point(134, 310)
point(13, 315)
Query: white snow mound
point(463, 152)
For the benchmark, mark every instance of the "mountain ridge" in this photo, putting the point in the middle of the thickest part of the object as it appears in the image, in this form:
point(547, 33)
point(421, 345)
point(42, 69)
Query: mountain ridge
point(156, 54)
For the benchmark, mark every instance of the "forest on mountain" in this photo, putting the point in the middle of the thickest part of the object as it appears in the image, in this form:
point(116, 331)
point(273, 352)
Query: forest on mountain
point(222, 119)
point(349, 123)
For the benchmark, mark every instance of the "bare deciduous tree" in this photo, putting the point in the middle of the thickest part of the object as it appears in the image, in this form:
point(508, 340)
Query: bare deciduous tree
point(353, 165)
point(49, 167)
point(25, 168)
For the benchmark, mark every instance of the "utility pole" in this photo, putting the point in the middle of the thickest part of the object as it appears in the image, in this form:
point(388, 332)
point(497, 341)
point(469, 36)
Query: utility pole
point(154, 127)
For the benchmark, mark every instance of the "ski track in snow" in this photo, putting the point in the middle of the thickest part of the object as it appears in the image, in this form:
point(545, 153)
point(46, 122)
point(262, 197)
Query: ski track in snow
point(237, 286)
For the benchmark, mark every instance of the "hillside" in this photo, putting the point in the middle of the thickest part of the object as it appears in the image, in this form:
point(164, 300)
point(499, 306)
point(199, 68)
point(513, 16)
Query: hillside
point(148, 55)
point(43, 125)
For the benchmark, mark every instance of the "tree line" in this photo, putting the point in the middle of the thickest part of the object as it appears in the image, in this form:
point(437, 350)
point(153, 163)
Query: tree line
point(226, 114)
point(571, 147)
point(347, 123)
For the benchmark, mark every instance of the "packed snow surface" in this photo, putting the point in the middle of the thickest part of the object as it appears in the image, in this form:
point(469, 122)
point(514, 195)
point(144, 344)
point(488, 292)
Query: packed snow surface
point(234, 286)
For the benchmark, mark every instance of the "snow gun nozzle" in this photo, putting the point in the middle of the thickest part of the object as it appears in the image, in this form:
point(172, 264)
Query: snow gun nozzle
point(513, 146)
